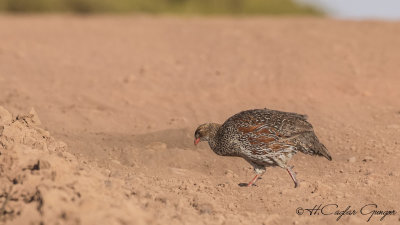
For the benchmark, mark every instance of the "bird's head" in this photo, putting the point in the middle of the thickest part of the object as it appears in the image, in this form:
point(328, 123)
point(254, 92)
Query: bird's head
point(205, 132)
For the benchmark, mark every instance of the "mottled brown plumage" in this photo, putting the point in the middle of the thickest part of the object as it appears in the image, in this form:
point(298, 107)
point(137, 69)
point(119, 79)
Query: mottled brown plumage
point(263, 137)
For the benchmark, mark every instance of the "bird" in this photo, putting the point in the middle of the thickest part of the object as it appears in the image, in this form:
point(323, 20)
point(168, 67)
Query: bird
point(264, 138)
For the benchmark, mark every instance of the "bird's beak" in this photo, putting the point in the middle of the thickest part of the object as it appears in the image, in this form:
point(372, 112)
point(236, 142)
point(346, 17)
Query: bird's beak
point(196, 141)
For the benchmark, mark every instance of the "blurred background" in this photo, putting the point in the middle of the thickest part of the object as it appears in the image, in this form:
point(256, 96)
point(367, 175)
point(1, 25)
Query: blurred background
point(160, 6)
point(346, 9)
point(359, 9)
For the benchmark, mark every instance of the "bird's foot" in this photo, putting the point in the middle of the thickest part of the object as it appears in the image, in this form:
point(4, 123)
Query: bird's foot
point(246, 185)
point(296, 184)
point(253, 181)
point(251, 184)
point(293, 176)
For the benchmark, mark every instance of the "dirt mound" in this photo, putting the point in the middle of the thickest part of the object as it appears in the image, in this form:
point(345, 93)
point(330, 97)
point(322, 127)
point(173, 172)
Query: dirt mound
point(41, 181)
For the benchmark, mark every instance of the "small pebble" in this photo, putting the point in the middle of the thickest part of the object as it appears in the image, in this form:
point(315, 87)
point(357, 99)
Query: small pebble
point(367, 158)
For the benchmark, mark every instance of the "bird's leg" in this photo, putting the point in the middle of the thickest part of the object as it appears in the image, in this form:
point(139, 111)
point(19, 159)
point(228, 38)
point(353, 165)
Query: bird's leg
point(283, 165)
point(259, 171)
point(293, 176)
point(253, 181)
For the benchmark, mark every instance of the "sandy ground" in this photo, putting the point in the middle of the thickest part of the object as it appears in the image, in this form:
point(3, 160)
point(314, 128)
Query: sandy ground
point(119, 99)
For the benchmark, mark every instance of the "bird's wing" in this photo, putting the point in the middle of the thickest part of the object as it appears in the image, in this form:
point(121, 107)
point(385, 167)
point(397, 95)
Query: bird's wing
point(262, 137)
point(270, 123)
point(267, 131)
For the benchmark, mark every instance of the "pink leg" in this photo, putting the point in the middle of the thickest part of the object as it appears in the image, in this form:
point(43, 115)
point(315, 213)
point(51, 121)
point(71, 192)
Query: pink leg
point(293, 176)
point(253, 180)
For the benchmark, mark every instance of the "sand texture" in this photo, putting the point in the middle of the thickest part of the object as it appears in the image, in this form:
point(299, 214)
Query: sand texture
point(98, 114)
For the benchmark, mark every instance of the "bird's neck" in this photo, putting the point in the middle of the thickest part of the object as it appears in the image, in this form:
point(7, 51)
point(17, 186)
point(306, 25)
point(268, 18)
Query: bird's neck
point(212, 139)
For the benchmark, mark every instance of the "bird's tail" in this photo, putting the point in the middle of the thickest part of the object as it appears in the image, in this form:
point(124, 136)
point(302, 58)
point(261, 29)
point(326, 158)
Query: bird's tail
point(313, 146)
